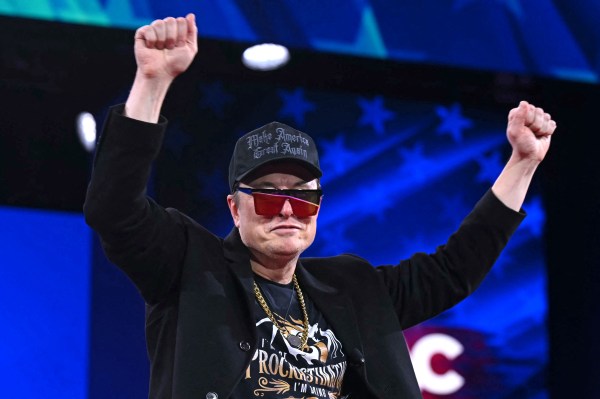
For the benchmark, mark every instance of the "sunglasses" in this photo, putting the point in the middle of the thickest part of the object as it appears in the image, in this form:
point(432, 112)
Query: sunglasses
point(269, 201)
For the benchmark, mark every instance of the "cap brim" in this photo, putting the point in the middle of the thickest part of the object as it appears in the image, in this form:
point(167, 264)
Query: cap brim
point(311, 172)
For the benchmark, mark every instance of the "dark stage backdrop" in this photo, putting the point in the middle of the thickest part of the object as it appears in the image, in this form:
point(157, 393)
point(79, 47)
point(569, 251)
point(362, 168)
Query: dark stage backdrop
point(406, 150)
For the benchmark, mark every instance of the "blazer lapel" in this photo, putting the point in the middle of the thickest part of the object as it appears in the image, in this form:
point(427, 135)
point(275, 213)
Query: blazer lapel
point(337, 310)
point(238, 258)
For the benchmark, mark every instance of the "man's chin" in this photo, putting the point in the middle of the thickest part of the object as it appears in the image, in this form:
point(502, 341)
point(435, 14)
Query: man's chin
point(290, 248)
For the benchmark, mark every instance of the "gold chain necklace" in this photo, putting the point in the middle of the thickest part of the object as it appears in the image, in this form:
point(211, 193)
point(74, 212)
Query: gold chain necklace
point(294, 340)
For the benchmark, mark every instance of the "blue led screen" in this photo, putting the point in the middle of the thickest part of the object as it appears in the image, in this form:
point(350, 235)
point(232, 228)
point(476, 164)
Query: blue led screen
point(554, 38)
point(44, 304)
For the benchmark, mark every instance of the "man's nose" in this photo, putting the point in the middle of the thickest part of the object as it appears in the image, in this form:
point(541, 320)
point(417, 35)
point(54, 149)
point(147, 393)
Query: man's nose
point(286, 209)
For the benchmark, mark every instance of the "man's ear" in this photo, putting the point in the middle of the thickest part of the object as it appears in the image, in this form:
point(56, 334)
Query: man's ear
point(235, 211)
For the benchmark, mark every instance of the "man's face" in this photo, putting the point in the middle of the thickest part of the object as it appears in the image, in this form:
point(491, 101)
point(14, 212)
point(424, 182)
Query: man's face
point(280, 237)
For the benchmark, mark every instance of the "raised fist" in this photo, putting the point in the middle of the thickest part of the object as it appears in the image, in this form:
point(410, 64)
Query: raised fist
point(166, 47)
point(529, 131)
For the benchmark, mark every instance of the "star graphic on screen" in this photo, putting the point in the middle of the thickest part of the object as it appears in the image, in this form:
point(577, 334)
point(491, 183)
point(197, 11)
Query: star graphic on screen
point(374, 114)
point(371, 198)
point(489, 167)
point(453, 123)
point(415, 163)
point(295, 105)
point(337, 157)
point(215, 97)
point(536, 217)
point(514, 6)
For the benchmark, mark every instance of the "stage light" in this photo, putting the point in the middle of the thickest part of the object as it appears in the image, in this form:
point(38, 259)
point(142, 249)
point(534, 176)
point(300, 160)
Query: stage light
point(86, 130)
point(265, 57)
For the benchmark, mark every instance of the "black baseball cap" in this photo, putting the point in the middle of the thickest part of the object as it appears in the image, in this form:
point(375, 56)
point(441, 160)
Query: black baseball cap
point(273, 142)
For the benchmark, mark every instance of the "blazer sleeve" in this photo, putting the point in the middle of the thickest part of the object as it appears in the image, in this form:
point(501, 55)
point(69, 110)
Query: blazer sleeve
point(425, 285)
point(143, 239)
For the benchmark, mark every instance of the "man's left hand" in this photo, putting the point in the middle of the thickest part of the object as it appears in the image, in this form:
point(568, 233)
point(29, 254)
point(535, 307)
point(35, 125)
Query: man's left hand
point(529, 131)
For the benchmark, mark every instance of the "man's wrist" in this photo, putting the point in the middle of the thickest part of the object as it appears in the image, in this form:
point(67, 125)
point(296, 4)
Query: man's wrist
point(525, 165)
point(146, 97)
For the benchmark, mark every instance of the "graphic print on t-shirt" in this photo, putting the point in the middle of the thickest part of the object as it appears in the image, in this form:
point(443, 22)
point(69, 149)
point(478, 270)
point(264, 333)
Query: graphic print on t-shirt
point(279, 370)
point(317, 372)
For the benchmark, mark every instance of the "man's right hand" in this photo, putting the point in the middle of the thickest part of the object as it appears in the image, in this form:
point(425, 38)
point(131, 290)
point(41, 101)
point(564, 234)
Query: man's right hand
point(163, 50)
point(166, 47)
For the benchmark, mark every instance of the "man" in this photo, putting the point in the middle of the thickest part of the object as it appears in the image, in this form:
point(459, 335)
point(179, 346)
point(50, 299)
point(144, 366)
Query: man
point(244, 317)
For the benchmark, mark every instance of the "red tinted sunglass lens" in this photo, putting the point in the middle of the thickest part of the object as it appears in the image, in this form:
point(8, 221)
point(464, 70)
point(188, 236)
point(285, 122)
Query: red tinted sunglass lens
point(303, 208)
point(270, 205)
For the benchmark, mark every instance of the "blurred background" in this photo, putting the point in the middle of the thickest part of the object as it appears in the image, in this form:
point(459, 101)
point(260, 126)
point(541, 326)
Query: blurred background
point(407, 102)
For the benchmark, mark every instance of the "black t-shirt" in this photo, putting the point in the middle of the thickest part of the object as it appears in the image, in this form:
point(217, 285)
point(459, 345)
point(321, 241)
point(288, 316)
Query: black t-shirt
point(280, 371)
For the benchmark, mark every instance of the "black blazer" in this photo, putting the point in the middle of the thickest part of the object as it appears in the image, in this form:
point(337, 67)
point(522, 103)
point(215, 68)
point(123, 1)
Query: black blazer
point(200, 326)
